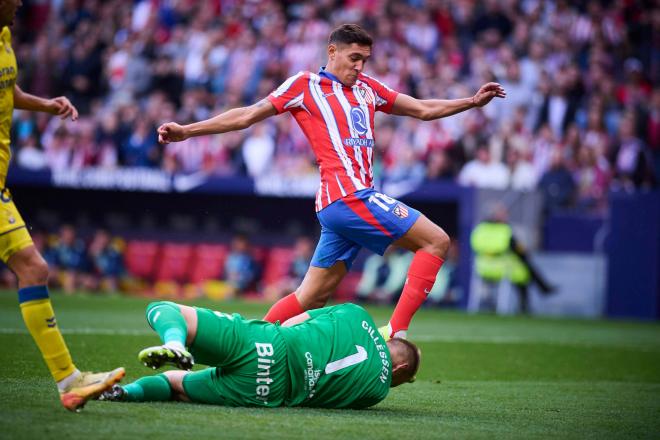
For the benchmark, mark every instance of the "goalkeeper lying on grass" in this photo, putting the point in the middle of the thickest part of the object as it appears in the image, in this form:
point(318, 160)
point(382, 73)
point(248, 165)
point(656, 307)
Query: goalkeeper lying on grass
point(332, 357)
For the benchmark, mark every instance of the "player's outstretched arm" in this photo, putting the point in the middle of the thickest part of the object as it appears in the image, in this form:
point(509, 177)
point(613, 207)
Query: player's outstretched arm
point(60, 106)
point(429, 109)
point(231, 120)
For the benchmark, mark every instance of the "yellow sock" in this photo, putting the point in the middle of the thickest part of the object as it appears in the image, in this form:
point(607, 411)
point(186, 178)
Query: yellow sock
point(39, 318)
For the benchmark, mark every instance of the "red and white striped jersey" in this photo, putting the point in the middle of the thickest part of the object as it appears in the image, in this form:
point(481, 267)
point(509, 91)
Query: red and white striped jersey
point(338, 122)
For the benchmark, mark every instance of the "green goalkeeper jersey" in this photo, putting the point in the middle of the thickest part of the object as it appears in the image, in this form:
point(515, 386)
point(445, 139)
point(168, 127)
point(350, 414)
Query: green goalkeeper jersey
point(337, 359)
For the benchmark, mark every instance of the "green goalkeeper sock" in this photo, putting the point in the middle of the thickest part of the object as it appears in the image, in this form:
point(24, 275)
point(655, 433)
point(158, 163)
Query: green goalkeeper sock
point(166, 319)
point(148, 389)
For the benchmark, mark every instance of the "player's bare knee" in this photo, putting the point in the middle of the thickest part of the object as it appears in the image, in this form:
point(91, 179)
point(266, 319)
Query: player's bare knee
point(39, 269)
point(32, 271)
point(175, 378)
point(439, 243)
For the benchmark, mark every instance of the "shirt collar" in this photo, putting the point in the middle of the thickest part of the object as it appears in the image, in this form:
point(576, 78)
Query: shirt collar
point(328, 75)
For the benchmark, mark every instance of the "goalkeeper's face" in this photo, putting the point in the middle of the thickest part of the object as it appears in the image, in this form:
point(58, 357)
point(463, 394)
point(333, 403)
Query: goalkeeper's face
point(346, 61)
point(8, 11)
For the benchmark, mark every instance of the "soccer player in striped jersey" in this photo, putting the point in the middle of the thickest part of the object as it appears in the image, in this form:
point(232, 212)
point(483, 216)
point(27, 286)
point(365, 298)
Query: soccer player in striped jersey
point(335, 109)
point(17, 250)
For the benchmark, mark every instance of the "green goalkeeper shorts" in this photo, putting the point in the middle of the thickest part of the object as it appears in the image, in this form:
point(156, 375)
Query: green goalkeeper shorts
point(247, 360)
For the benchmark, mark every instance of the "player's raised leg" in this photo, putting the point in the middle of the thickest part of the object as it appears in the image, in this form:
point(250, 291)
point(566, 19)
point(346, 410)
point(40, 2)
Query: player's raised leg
point(333, 257)
point(430, 244)
point(75, 388)
point(314, 291)
point(177, 326)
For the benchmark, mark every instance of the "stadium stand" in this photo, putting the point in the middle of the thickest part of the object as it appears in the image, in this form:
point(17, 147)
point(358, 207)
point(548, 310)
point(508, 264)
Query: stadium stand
point(208, 262)
point(579, 76)
point(141, 258)
point(174, 263)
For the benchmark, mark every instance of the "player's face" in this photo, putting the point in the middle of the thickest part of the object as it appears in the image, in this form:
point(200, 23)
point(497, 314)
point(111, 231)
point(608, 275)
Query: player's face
point(346, 61)
point(8, 11)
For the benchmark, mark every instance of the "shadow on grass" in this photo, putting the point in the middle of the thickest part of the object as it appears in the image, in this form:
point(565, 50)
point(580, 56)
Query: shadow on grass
point(380, 413)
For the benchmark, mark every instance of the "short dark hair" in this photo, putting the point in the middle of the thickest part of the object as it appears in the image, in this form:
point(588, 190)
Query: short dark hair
point(412, 355)
point(349, 34)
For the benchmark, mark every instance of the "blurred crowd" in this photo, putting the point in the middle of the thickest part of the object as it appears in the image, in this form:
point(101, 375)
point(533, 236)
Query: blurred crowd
point(582, 113)
point(98, 261)
point(96, 264)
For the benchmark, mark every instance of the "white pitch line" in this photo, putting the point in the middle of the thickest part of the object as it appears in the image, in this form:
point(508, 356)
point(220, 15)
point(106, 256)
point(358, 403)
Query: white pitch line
point(518, 340)
point(125, 332)
point(415, 338)
point(84, 331)
point(488, 339)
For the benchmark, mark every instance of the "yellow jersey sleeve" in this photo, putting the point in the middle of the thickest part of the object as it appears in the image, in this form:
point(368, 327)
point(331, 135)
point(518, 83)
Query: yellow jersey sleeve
point(8, 74)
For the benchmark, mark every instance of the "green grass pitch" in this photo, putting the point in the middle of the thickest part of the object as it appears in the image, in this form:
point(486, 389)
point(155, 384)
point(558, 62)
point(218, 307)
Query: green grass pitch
point(481, 377)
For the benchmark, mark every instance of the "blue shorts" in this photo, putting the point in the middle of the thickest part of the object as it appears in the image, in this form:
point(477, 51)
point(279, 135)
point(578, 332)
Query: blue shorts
point(363, 219)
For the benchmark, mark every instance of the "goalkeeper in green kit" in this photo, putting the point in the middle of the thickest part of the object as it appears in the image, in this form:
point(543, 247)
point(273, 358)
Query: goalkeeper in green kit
point(332, 357)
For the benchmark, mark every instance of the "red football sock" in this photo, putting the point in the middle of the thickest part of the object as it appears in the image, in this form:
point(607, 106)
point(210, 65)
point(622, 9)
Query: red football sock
point(286, 308)
point(421, 277)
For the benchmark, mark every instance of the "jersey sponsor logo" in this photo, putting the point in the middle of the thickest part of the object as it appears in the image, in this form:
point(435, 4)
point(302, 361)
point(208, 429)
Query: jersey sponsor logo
point(400, 211)
point(7, 71)
point(311, 375)
point(7, 77)
point(374, 334)
point(264, 362)
point(359, 121)
point(7, 83)
point(358, 142)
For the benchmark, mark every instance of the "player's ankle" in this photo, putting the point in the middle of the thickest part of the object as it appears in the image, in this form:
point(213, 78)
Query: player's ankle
point(176, 345)
point(403, 334)
point(64, 384)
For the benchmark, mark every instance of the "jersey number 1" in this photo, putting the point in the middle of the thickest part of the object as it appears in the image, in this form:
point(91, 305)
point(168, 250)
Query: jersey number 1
point(348, 361)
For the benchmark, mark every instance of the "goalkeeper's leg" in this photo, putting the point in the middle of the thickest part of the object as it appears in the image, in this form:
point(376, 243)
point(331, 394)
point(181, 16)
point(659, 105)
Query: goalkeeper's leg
point(177, 327)
point(159, 388)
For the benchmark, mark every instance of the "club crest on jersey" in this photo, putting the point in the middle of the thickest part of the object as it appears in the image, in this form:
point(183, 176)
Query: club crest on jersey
point(400, 211)
point(359, 121)
point(366, 95)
